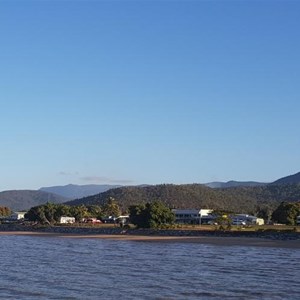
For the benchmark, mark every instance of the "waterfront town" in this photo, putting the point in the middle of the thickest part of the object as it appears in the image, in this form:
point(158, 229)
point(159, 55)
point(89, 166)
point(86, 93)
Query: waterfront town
point(182, 216)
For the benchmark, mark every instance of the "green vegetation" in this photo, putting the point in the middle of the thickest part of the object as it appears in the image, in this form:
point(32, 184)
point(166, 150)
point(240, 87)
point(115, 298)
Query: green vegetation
point(4, 211)
point(261, 201)
point(286, 213)
point(50, 213)
point(223, 221)
point(111, 208)
point(151, 215)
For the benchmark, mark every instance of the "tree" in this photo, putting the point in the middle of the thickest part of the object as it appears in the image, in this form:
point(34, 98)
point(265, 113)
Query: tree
point(139, 215)
point(264, 211)
point(49, 211)
point(79, 212)
point(151, 215)
point(223, 219)
point(37, 214)
point(61, 210)
point(111, 208)
point(4, 211)
point(95, 211)
point(286, 213)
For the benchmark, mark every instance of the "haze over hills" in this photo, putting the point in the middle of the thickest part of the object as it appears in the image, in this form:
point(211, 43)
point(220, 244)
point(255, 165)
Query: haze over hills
point(73, 191)
point(232, 183)
point(25, 199)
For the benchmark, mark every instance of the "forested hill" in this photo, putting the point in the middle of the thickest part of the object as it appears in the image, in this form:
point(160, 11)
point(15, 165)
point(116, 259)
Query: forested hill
point(292, 179)
point(173, 195)
point(240, 199)
point(25, 199)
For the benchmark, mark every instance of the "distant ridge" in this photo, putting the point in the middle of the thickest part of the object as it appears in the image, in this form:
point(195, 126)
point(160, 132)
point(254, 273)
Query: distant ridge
point(25, 199)
point(295, 178)
point(232, 183)
point(73, 191)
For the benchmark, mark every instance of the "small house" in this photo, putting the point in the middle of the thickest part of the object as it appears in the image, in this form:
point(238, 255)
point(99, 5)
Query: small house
point(17, 215)
point(66, 220)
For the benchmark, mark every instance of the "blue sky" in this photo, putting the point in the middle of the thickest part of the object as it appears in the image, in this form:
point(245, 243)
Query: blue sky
point(134, 92)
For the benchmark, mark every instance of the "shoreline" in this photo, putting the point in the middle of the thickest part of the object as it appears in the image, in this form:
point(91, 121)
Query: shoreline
point(211, 240)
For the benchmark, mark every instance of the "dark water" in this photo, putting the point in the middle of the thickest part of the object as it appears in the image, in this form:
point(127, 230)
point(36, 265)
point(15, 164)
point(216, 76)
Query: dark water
point(57, 268)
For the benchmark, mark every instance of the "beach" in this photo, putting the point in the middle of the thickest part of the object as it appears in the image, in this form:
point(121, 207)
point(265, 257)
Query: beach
point(212, 240)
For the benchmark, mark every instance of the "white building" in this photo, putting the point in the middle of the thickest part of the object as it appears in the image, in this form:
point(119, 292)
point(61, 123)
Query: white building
point(66, 220)
point(17, 215)
point(250, 220)
point(191, 216)
point(258, 221)
point(298, 220)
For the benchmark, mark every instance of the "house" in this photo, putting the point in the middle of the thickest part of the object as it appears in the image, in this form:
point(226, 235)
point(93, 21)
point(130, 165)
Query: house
point(298, 220)
point(247, 219)
point(258, 221)
point(66, 220)
point(17, 215)
point(192, 216)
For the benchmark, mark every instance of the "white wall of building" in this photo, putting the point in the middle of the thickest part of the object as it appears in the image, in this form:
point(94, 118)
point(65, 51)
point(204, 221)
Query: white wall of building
point(66, 220)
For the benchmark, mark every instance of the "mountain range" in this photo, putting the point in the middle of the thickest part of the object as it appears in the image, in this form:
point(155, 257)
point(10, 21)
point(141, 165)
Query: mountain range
point(234, 194)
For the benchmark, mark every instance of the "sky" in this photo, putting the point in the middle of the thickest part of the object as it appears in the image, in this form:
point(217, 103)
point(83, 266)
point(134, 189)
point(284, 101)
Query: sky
point(148, 92)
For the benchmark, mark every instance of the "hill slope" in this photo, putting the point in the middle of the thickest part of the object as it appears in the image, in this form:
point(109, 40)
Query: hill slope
point(239, 199)
point(73, 191)
point(25, 199)
point(292, 179)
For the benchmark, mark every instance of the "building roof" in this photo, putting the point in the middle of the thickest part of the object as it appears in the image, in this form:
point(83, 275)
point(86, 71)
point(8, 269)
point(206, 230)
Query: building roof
point(186, 211)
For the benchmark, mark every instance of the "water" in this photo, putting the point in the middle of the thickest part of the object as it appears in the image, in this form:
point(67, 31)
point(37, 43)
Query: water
point(63, 268)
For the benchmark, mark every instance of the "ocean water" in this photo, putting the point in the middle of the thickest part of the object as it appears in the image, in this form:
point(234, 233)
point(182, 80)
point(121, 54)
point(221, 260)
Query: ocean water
point(68, 268)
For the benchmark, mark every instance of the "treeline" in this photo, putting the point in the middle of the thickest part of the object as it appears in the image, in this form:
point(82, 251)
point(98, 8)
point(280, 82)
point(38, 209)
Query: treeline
point(51, 213)
point(261, 200)
point(286, 213)
point(153, 214)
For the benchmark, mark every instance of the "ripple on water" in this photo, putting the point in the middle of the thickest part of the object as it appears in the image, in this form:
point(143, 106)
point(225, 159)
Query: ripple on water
point(56, 268)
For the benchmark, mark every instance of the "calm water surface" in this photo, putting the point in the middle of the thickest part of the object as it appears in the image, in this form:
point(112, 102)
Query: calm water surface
point(61, 268)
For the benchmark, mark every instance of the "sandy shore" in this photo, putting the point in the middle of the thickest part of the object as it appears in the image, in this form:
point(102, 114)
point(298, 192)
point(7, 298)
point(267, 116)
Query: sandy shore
point(218, 241)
